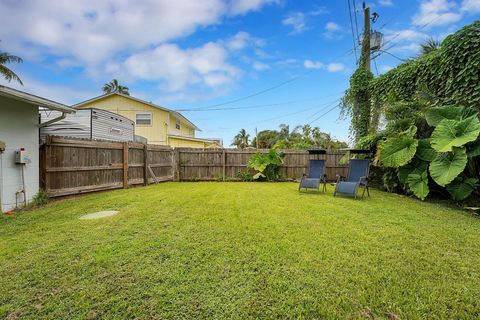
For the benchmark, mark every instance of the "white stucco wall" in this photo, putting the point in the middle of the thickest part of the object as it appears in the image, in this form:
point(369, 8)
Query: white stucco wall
point(18, 129)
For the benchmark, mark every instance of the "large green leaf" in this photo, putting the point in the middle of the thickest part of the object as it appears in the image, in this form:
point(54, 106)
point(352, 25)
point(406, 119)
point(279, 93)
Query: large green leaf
point(435, 115)
point(447, 166)
point(415, 166)
point(461, 188)
point(397, 152)
point(258, 175)
point(425, 151)
point(418, 184)
point(455, 133)
point(473, 149)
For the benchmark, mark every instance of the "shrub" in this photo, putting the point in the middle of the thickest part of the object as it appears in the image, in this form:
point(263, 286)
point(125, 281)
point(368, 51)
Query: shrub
point(267, 165)
point(245, 176)
point(448, 157)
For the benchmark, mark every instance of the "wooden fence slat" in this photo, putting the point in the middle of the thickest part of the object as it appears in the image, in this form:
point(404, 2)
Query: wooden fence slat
point(114, 166)
point(125, 165)
point(145, 165)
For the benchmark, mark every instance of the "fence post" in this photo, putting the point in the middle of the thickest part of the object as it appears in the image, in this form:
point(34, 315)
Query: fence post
point(176, 164)
point(125, 165)
point(172, 152)
point(47, 163)
point(224, 163)
point(145, 164)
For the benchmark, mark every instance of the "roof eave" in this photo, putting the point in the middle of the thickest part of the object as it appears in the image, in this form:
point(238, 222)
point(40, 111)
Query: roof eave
point(35, 100)
point(141, 101)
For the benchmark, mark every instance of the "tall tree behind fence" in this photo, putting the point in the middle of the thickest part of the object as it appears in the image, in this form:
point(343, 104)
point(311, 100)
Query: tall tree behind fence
point(73, 166)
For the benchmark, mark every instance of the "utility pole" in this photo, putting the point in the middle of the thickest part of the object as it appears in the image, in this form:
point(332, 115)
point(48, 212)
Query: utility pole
point(365, 57)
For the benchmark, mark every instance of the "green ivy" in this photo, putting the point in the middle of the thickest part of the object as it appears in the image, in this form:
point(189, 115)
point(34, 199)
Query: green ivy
point(356, 103)
point(451, 74)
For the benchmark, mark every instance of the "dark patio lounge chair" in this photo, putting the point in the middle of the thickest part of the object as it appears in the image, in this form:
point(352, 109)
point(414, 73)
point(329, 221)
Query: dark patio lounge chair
point(316, 176)
point(358, 170)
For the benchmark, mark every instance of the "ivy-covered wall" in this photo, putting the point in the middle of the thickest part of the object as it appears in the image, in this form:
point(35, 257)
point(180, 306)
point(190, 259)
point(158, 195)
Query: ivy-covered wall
point(431, 106)
point(450, 74)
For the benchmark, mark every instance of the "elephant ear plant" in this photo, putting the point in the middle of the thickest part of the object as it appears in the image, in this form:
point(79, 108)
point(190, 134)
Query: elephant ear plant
point(266, 164)
point(448, 157)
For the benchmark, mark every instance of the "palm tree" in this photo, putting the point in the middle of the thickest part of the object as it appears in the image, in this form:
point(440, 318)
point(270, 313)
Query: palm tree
point(114, 86)
point(8, 74)
point(241, 139)
point(429, 45)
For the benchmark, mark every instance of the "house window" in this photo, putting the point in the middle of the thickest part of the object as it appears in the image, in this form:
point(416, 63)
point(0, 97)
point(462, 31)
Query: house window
point(143, 119)
point(177, 124)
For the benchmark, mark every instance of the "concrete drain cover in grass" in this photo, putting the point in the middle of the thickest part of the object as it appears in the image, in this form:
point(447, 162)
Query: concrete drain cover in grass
point(98, 215)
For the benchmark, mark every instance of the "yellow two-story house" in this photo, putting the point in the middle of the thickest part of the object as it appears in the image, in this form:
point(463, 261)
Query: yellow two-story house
point(157, 124)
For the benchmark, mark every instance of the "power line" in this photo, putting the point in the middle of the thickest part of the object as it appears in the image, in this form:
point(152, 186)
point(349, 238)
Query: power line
point(325, 113)
point(264, 105)
point(327, 106)
point(375, 64)
point(296, 112)
point(238, 108)
point(253, 94)
point(356, 22)
point(389, 53)
point(249, 107)
point(397, 35)
point(353, 32)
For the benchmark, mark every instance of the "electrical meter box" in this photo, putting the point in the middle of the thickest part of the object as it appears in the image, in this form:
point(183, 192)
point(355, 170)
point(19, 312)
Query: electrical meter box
point(22, 156)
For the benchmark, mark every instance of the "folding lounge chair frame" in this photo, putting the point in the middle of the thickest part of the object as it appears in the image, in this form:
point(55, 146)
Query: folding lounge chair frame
point(358, 170)
point(316, 176)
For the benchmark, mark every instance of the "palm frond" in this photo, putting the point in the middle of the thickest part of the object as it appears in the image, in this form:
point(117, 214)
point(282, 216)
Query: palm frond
point(8, 58)
point(9, 75)
point(429, 46)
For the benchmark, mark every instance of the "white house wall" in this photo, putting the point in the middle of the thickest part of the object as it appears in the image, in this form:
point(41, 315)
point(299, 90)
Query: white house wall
point(18, 129)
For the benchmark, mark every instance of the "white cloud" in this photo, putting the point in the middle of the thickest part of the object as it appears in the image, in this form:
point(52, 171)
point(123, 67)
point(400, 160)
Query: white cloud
point(178, 68)
point(309, 64)
point(262, 54)
point(470, 6)
point(335, 67)
point(404, 35)
point(243, 6)
point(318, 11)
point(259, 66)
point(296, 20)
point(385, 68)
point(92, 32)
point(332, 30)
point(134, 41)
point(407, 48)
point(385, 3)
point(61, 93)
point(436, 13)
point(239, 41)
point(331, 67)
point(332, 26)
point(289, 62)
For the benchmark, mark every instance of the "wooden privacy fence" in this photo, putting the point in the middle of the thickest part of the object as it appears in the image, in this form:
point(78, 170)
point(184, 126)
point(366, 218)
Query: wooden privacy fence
point(71, 166)
point(220, 164)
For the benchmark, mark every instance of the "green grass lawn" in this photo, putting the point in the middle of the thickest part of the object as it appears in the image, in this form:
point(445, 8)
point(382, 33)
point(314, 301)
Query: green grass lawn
point(240, 250)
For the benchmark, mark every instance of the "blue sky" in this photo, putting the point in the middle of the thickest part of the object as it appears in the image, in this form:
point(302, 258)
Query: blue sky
point(193, 55)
